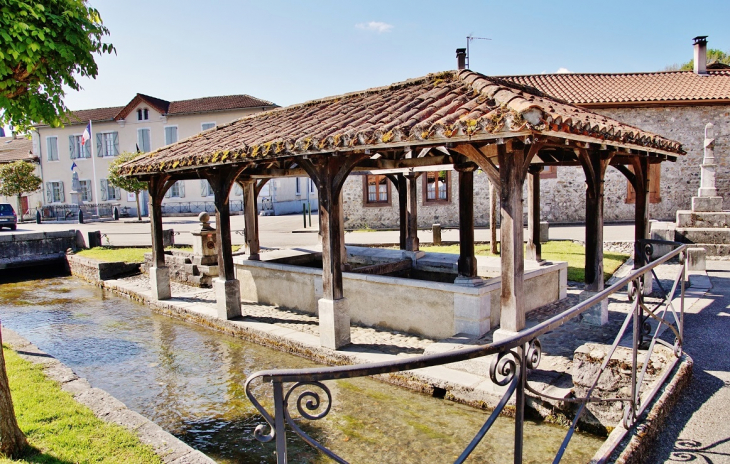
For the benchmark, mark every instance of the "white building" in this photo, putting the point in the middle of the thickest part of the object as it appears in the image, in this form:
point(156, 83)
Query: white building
point(145, 124)
point(18, 148)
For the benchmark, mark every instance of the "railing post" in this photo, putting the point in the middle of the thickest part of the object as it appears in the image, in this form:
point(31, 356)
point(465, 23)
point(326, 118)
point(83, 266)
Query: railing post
point(279, 423)
point(520, 402)
point(635, 347)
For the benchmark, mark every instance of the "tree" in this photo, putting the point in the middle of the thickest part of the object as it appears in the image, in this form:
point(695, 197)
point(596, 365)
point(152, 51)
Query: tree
point(12, 440)
point(713, 56)
point(130, 184)
point(44, 46)
point(18, 178)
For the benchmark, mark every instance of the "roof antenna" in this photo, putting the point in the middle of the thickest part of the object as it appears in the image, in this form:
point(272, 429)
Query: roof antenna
point(469, 38)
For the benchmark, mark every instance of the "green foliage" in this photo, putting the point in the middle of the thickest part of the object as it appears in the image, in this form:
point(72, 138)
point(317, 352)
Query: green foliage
point(130, 184)
point(61, 430)
point(18, 178)
point(713, 56)
point(44, 46)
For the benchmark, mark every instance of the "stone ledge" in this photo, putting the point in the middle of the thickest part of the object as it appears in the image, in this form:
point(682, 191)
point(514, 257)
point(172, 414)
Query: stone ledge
point(105, 406)
point(94, 270)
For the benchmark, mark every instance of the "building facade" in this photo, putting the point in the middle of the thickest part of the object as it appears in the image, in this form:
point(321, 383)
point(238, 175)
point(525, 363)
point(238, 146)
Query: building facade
point(73, 172)
point(19, 148)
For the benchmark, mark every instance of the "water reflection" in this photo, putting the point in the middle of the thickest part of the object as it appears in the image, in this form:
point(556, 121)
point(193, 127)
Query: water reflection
point(189, 380)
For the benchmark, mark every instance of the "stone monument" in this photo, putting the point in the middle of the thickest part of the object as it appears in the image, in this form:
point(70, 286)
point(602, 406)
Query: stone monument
point(75, 190)
point(205, 252)
point(707, 199)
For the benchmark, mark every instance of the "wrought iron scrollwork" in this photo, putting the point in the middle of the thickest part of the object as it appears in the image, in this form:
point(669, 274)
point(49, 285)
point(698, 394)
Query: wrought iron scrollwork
point(309, 400)
point(533, 354)
point(503, 367)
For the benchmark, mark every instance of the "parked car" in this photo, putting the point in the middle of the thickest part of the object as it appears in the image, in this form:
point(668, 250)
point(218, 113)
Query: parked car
point(7, 216)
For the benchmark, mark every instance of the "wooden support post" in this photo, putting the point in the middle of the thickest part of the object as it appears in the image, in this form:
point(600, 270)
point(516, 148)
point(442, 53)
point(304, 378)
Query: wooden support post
point(159, 273)
point(641, 215)
point(412, 205)
point(467, 266)
point(401, 186)
point(534, 248)
point(512, 318)
point(227, 288)
point(493, 218)
point(251, 219)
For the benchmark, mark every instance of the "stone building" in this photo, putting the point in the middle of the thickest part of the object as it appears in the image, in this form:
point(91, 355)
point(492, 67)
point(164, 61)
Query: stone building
point(674, 104)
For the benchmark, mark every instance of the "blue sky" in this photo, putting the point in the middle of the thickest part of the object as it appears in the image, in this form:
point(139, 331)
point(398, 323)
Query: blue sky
point(289, 52)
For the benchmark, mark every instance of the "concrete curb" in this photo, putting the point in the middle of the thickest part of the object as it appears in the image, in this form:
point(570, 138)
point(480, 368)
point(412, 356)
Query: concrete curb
point(634, 446)
point(105, 406)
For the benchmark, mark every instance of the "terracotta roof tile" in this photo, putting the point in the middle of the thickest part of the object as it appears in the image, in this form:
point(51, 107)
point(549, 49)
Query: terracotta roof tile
point(222, 103)
point(93, 115)
point(670, 86)
point(433, 109)
point(14, 149)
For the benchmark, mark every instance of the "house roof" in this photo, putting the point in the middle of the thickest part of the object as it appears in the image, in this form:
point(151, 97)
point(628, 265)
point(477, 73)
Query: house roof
point(627, 88)
point(196, 105)
point(14, 149)
point(438, 108)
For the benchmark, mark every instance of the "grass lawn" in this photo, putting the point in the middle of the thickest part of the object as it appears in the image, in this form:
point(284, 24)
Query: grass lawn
point(60, 430)
point(571, 252)
point(127, 255)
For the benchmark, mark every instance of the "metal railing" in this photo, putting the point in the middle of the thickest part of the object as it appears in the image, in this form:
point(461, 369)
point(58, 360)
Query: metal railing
point(514, 358)
point(71, 212)
point(195, 207)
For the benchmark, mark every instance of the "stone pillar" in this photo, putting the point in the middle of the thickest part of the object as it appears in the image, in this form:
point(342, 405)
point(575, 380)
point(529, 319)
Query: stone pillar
point(512, 317)
point(251, 219)
point(533, 250)
point(707, 199)
point(205, 251)
point(159, 273)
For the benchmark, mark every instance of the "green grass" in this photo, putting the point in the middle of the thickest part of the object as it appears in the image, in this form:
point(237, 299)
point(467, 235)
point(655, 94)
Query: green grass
point(571, 252)
point(127, 255)
point(59, 429)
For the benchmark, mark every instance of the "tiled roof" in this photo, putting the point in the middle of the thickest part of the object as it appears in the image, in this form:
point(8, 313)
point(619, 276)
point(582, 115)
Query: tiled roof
point(437, 108)
point(14, 149)
point(228, 102)
point(196, 105)
point(669, 86)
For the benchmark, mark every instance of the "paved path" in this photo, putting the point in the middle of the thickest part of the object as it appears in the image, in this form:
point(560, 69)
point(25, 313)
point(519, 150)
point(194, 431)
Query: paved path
point(700, 429)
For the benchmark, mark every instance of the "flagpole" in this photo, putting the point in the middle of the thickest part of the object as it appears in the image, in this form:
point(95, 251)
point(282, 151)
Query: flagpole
point(93, 166)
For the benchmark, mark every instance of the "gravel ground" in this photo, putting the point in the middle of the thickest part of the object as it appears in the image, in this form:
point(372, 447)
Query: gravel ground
point(700, 428)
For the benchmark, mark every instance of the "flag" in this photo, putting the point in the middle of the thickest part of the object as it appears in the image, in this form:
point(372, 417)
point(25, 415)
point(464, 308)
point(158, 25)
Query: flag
point(86, 135)
point(73, 166)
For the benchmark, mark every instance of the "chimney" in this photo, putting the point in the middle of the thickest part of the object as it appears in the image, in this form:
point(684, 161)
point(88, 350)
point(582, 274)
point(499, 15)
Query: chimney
point(461, 58)
point(700, 60)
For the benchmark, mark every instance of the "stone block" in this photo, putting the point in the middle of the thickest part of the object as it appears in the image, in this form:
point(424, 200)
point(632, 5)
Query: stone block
point(544, 231)
point(696, 259)
point(686, 219)
point(204, 243)
point(334, 322)
point(596, 314)
point(662, 231)
point(705, 204)
point(227, 298)
point(160, 282)
point(472, 314)
point(168, 238)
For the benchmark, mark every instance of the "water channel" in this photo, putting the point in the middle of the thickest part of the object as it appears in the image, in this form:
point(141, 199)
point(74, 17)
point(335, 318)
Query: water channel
point(189, 380)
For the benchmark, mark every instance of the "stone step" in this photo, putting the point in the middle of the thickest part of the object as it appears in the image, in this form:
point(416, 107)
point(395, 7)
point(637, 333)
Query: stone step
point(714, 249)
point(691, 219)
point(703, 235)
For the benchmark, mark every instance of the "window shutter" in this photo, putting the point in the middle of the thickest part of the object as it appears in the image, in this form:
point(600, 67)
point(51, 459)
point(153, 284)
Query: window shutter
point(203, 188)
point(60, 192)
point(49, 192)
point(99, 146)
point(237, 190)
point(181, 186)
point(117, 193)
point(104, 189)
point(654, 183)
point(115, 138)
point(72, 146)
point(87, 150)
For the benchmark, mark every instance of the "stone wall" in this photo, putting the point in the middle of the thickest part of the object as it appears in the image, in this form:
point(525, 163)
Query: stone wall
point(187, 268)
point(94, 271)
point(563, 197)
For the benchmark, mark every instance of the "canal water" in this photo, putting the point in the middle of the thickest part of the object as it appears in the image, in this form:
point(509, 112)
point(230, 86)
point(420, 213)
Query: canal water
point(189, 380)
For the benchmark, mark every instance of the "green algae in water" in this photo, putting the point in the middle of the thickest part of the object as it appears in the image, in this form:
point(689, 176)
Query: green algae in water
point(189, 380)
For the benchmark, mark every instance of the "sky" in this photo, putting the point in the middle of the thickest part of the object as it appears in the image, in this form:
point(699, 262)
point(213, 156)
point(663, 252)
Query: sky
point(288, 52)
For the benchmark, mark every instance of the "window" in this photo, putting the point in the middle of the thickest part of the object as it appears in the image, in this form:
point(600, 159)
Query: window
point(107, 144)
point(143, 114)
point(54, 192)
point(654, 185)
point(205, 189)
point(85, 190)
point(298, 186)
point(170, 135)
point(311, 185)
point(52, 143)
point(237, 189)
point(177, 190)
point(109, 192)
point(143, 140)
point(76, 149)
point(549, 172)
point(207, 125)
point(436, 187)
point(377, 190)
